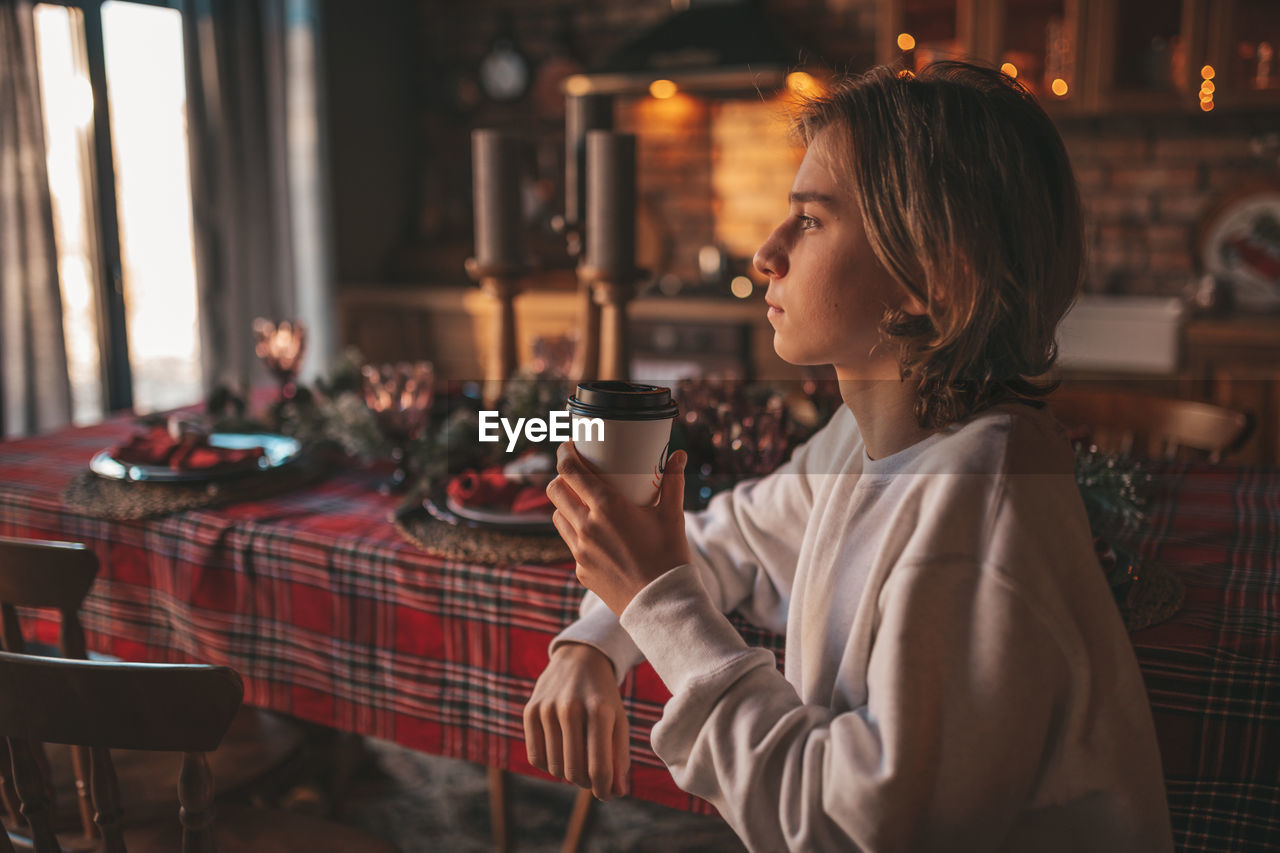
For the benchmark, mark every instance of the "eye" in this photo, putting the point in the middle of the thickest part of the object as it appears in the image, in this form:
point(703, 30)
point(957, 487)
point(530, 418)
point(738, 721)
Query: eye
point(807, 223)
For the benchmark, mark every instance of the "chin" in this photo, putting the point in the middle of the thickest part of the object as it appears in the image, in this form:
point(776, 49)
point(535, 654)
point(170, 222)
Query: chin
point(796, 356)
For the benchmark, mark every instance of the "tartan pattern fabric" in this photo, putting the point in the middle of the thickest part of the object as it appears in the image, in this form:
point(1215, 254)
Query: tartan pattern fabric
point(330, 616)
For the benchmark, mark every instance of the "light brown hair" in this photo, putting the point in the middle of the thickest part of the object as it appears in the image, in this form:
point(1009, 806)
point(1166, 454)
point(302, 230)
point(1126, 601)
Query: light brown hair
point(968, 199)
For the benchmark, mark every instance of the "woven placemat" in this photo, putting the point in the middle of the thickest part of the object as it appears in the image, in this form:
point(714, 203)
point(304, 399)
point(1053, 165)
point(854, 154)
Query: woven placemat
point(477, 544)
point(122, 500)
point(1155, 596)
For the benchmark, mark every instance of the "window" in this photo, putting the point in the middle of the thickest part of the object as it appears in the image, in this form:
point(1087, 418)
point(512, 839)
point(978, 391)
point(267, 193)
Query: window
point(114, 101)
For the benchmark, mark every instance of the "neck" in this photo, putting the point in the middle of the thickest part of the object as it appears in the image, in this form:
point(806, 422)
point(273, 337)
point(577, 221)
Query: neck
point(883, 407)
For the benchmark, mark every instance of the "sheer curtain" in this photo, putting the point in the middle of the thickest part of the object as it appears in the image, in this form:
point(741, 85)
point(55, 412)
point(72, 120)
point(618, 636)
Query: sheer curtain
point(35, 391)
point(236, 132)
point(253, 118)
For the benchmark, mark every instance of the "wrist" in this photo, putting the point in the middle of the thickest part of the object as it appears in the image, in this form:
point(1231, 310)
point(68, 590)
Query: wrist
point(575, 652)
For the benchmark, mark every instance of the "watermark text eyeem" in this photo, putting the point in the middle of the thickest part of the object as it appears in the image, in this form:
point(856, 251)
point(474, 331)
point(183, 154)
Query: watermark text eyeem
point(555, 427)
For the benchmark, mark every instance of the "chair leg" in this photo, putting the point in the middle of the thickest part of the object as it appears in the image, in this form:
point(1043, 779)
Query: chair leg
point(578, 821)
point(8, 797)
point(499, 811)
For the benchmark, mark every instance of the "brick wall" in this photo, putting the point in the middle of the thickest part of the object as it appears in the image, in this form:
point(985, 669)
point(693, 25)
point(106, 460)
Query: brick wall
point(1148, 183)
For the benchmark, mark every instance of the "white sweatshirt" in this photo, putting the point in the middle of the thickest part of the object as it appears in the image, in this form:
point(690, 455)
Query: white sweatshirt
point(957, 674)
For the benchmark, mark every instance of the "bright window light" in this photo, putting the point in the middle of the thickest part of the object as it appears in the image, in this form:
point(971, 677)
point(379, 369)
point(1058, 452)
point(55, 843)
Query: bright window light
point(147, 92)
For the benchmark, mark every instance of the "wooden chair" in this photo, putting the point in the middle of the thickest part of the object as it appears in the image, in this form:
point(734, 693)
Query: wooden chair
point(183, 708)
point(1151, 427)
point(58, 575)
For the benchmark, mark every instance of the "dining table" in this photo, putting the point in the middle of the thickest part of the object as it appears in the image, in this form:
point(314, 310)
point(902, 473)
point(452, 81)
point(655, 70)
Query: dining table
point(331, 615)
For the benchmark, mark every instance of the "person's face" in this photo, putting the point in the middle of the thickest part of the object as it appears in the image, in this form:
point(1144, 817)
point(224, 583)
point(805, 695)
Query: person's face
point(827, 291)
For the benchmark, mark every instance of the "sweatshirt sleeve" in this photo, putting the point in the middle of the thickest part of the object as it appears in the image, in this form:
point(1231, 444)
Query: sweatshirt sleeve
point(962, 682)
point(744, 546)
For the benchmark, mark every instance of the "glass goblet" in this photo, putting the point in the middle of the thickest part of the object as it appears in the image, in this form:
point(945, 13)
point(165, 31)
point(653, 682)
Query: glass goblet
point(281, 348)
point(400, 396)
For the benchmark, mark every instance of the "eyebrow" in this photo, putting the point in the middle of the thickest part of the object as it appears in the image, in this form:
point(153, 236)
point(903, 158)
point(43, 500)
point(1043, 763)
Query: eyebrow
point(814, 197)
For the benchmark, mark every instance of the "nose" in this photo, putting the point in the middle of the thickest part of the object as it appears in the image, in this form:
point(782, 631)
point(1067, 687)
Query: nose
point(770, 259)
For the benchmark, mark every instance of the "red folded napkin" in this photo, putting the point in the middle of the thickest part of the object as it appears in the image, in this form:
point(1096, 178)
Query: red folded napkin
point(192, 452)
point(487, 488)
point(492, 489)
point(532, 499)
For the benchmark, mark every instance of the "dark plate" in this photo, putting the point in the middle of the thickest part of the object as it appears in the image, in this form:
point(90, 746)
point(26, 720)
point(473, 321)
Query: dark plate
point(278, 451)
point(439, 507)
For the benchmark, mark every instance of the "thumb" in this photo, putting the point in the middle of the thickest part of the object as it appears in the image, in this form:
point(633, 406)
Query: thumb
point(671, 496)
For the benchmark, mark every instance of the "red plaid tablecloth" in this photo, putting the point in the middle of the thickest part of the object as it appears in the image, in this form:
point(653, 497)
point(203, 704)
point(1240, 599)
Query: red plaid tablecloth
point(330, 616)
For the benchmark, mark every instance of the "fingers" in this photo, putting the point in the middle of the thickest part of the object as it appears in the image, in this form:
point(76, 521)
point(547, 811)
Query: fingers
point(566, 530)
point(671, 494)
point(534, 741)
point(580, 476)
point(562, 495)
point(551, 731)
point(573, 737)
point(600, 752)
point(621, 754)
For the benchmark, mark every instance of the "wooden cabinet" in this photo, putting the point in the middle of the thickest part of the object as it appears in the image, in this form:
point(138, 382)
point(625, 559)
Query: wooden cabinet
point(452, 327)
point(1243, 46)
point(1103, 56)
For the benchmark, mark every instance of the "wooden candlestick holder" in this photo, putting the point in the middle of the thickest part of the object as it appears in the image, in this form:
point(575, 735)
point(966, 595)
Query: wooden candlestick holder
point(611, 291)
point(586, 363)
point(502, 283)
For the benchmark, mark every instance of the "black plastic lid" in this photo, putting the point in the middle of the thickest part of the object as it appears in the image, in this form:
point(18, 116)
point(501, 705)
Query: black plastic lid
point(615, 400)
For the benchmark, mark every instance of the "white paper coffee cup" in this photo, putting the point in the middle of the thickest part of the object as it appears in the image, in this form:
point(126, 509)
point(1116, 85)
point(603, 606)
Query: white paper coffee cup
point(630, 450)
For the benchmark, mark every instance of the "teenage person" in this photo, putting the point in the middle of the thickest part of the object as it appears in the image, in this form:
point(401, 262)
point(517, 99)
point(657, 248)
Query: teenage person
point(957, 674)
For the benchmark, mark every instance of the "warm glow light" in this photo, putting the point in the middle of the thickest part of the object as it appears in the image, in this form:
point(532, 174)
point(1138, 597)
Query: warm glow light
point(1010, 69)
point(1207, 105)
point(578, 84)
point(741, 286)
point(906, 41)
point(1059, 86)
point(1207, 72)
point(147, 92)
point(1207, 87)
point(802, 83)
point(1206, 96)
point(662, 89)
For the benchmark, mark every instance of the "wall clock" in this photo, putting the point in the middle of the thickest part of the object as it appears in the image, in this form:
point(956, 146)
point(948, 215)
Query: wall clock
point(505, 72)
point(1239, 243)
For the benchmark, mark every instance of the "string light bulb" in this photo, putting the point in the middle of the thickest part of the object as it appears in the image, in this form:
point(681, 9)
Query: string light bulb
point(1207, 88)
point(802, 83)
point(663, 89)
point(1059, 87)
point(906, 41)
point(1010, 69)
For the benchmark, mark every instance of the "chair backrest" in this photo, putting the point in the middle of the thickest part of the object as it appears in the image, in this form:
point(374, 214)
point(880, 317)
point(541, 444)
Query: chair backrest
point(36, 573)
point(1152, 427)
point(40, 573)
point(165, 707)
